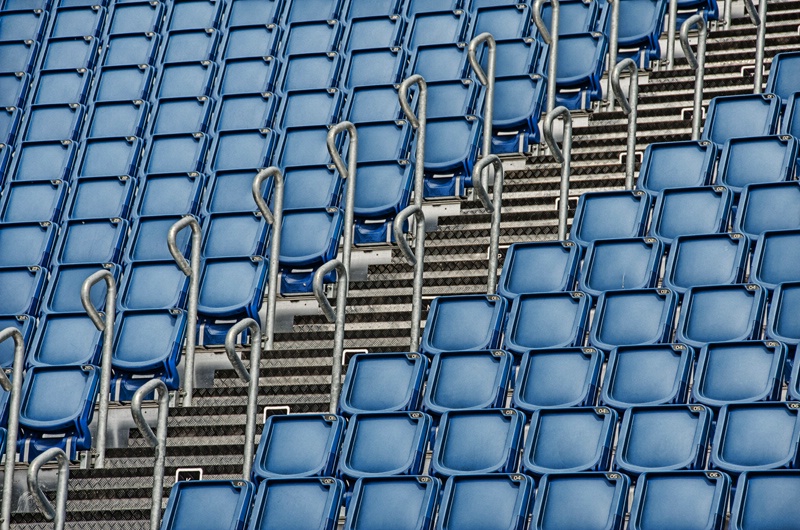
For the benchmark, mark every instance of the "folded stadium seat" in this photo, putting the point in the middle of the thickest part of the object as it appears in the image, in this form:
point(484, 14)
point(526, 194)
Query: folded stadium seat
point(65, 339)
point(25, 324)
point(756, 437)
point(772, 258)
point(771, 206)
point(663, 438)
point(381, 141)
point(193, 14)
point(580, 69)
point(299, 108)
point(555, 263)
point(57, 405)
point(765, 499)
point(590, 501)
point(569, 440)
point(310, 187)
point(790, 124)
point(115, 118)
point(183, 115)
point(246, 12)
point(298, 445)
point(451, 150)
point(231, 191)
point(566, 377)
point(475, 502)
point(677, 165)
point(297, 503)
point(680, 499)
point(119, 50)
point(647, 375)
point(317, 36)
point(620, 264)
point(476, 442)
point(310, 70)
point(634, 317)
point(248, 149)
point(148, 239)
point(739, 116)
point(176, 153)
point(437, 27)
point(256, 40)
point(57, 86)
point(314, 10)
point(223, 504)
point(309, 239)
point(190, 45)
point(610, 215)
point(14, 88)
point(63, 293)
point(502, 21)
point(640, 26)
point(104, 197)
point(68, 53)
point(372, 8)
point(463, 323)
point(721, 313)
point(91, 241)
point(18, 56)
point(520, 101)
point(135, 17)
point(378, 66)
point(43, 160)
point(37, 201)
point(153, 285)
point(376, 103)
point(686, 211)
point(401, 503)
point(374, 32)
point(739, 372)
point(426, 6)
point(383, 382)
point(455, 97)
point(384, 191)
point(757, 160)
point(387, 443)
point(27, 244)
point(106, 157)
point(575, 16)
point(187, 79)
point(441, 62)
point(781, 322)
point(77, 21)
point(470, 380)
point(244, 111)
point(517, 56)
point(22, 25)
point(783, 78)
point(12, 5)
point(232, 287)
point(20, 289)
point(713, 259)
point(547, 320)
point(304, 146)
point(128, 83)
point(234, 234)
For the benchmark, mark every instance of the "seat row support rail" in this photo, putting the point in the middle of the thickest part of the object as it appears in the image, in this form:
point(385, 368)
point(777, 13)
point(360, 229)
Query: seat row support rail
point(759, 19)
point(564, 157)
point(157, 440)
point(15, 388)
point(550, 38)
point(698, 63)
point(629, 104)
point(57, 513)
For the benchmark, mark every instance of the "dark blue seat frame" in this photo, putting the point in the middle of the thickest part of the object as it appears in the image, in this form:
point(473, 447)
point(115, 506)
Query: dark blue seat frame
point(770, 267)
point(624, 327)
point(714, 259)
point(629, 263)
point(758, 118)
point(633, 224)
point(677, 164)
point(472, 500)
point(687, 211)
point(765, 497)
point(769, 206)
point(581, 500)
point(226, 503)
point(781, 321)
point(539, 266)
point(547, 320)
point(409, 502)
point(279, 501)
point(493, 309)
point(383, 382)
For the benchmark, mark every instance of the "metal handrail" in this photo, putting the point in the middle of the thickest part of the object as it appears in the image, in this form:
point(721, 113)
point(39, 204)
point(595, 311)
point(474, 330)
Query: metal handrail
point(337, 316)
point(192, 270)
point(613, 48)
point(104, 324)
point(486, 78)
point(276, 220)
point(673, 19)
point(15, 389)
point(157, 440)
point(57, 513)
point(347, 172)
point(418, 121)
point(551, 39)
point(565, 159)
point(252, 377)
point(759, 20)
point(629, 106)
point(697, 63)
point(494, 205)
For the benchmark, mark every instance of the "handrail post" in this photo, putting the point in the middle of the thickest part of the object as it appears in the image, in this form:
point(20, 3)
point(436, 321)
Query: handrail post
point(347, 172)
point(192, 270)
point(613, 47)
point(251, 377)
point(629, 106)
point(276, 220)
point(337, 316)
point(15, 389)
point(419, 121)
point(494, 205)
point(565, 159)
point(104, 324)
point(550, 38)
point(673, 19)
point(57, 513)
point(760, 44)
point(486, 78)
point(697, 63)
point(157, 440)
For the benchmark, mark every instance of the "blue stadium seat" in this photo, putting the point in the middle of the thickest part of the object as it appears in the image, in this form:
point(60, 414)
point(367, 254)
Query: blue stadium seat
point(685, 499)
point(14, 89)
point(401, 503)
point(520, 101)
point(78, 21)
point(781, 321)
point(221, 503)
point(756, 437)
point(21, 289)
point(18, 56)
point(663, 438)
point(128, 83)
point(153, 285)
point(186, 80)
point(580, 69)
point(310, 237)
point(647, 375)
point(441, 62)
point(714, 259)
point(182, 115)
point(388, 443)
point(374, 32)
point(194, 14)
point(303, 108)
point(56, 409)
point(232, 287)
point(26, 244)
point(565, 377)
point(612, 264)
point(248, 149)
point(244, 12)
point(372, 8)
point(590, 501)
point(677, 165)
point(65, 339)
point(91, 241)
point(117, 118)
point(783, 78)
point(502, 21)
point(190, 45)
point(128, 49)
point(720, 313)
point(771, 206)
point(627, 318)
point(383, 382)
point(55, 86)
point(470, 380)
point(385, 189)
point(234, 234)
point(245, 111)
point(135, 17)
point(69, 53)
point(25, 324)
point(43, 160)
point(318, 36)
point(766, 499)
point(772, 258)
point(547, 320)
point(230, 191)
point(176, 153)
point(452, 98)
point(38, 201)
point(436, 27)
point(463, 323)
point(310, 70)
point(451, 150)
point(739, 116)
point(148, 238)
point(381, 141)
point(757, 160)
point(791, 117)
point(569, 440)
point(739, 372)
point(310, 187)
point(379, 66)
point(424, 6)
point(22, 25)
point(610, 215)
point(297, 503)
point(687, 211)
point(476, 442)
point(555, 263)
point(517, 56)
point(106, 157)
point(475, 502)
point(257, 40)
point(63, 293)
point(298, 445)
point(105, 197)
point(314, 10)
point(640, 25)
point(575, 16)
